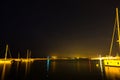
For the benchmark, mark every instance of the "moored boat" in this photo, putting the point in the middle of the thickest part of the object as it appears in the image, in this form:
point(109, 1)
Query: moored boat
point(114, 61)
point(5, 60)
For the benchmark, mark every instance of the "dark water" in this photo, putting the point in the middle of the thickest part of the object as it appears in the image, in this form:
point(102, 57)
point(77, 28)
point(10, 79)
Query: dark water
point(59, 70)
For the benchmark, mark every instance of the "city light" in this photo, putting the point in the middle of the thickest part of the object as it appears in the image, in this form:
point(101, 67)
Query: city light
point(54, 57)
point(5, 61)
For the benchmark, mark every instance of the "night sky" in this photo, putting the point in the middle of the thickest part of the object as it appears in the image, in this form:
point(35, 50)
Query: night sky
point(60, 28)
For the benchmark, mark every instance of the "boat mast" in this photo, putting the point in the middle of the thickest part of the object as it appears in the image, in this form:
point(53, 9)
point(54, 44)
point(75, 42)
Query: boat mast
point(6, 51)
point(112, 38)
point(116, 25)
point(18, 55)
point(27, 53)
point(117, 19)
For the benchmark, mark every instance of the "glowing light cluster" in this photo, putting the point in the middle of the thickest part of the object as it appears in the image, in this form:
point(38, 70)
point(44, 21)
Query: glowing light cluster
point(54, 57)
point(27, 60)
point(77, 57)
point(5, 61)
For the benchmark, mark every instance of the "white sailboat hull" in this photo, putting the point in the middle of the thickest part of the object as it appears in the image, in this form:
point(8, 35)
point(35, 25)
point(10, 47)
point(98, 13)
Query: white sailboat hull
point(112, 62)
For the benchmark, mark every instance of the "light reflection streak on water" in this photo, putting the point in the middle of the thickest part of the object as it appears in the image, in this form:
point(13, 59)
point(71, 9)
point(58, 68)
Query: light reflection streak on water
point(18, 65)
point(53, 66)
point(5, 69)
point(27, 67)
point(48, 63)
point(90, 65)
point(101, 68)
point(78, 66)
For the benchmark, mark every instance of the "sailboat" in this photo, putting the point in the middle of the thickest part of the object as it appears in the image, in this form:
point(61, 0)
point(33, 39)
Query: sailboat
point(5, 60)
point(114, 61)
point(28, 59)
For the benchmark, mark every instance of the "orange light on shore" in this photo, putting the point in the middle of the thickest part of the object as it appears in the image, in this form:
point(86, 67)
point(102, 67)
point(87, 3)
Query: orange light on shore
point(54, 57)
point(27, 60)
point(77, 57)
point(5, 61)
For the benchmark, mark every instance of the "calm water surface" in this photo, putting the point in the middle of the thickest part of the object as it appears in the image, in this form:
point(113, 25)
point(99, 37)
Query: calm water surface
point(59, 70)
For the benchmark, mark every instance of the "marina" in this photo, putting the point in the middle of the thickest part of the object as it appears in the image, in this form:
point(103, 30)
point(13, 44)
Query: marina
point(60, 40)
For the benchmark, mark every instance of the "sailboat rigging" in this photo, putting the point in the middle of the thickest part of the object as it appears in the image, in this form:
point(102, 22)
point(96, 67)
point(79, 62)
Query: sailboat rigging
point(114, 61)
point(6, 60)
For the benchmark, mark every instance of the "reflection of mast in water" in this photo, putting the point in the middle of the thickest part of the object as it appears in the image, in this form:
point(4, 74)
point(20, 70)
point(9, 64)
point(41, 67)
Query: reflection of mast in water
point(90, 65)
point(27, 67)
point(18, 61)
point(5, 66)
point(100, 65)
point(3, 72)
point(28, 62)
point(53, 66)
point(78, 66)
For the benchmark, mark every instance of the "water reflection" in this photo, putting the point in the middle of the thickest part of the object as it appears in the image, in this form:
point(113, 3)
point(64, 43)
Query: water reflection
point(27, 67)
point(53, 66)
point(78, 66)
point(48, 64)
point(112, 73)
point(101, 68)
point(18, 64)
point(5, 69)
point(64, 70)
point(89, 63)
